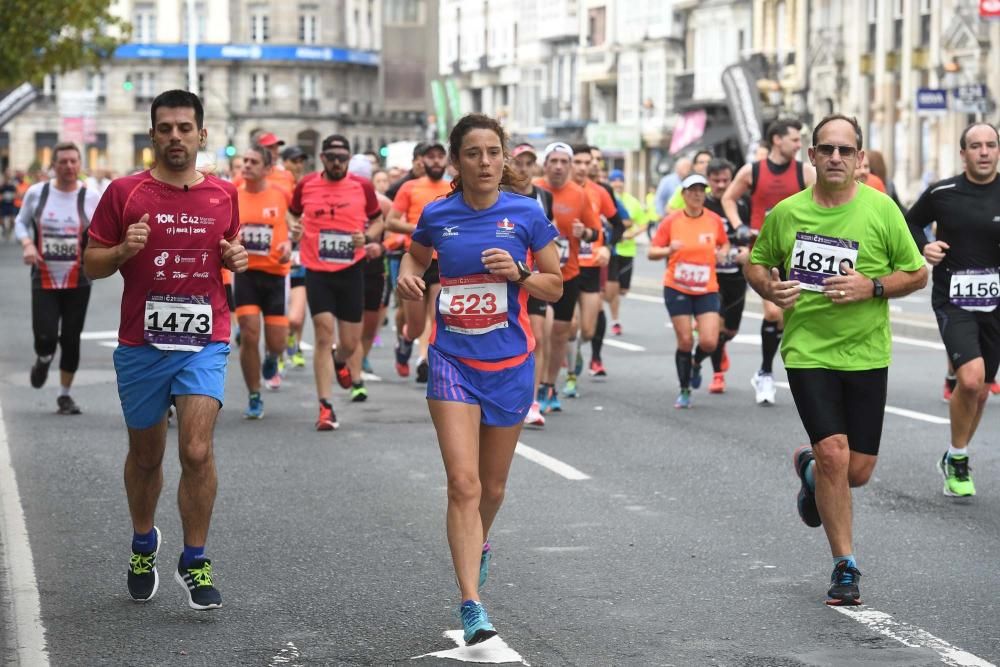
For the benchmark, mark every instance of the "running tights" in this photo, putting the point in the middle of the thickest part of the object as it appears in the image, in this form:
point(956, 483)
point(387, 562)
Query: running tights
point(48, 308)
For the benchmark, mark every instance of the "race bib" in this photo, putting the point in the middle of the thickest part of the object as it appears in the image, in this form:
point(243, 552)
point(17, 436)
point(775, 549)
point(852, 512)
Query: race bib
point(586, 249)
point(563, 244)
point(336, 247)
point(60, 247)
point(178, 322)
point(694, 277)
point(257, 239)
point(816, 258)
point(473, 305)
point(975, 289)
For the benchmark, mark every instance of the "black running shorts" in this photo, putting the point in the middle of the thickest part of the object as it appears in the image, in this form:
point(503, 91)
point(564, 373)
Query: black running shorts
point(620, 271)
point(733, 294)
point(266, 291)
point(536, 306)
point(851, 403)
point(339, 292)
point(968, 335)
point(564, 307)
point(590, 279)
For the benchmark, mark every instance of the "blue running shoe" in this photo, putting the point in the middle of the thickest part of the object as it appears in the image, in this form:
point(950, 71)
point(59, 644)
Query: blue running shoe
point(683, 400)
point(366, 366)
point(475, 622)
point(543, 399)
point(484, 564)
point(569, 389)
point(578, 363)
point(255, 410)
point(806, 502)
point(844, 585)
point(553, 401)
point(270, 367)
point(695, 375)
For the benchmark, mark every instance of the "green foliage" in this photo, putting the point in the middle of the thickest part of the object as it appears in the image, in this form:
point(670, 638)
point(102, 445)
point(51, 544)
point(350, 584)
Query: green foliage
point(39, 37)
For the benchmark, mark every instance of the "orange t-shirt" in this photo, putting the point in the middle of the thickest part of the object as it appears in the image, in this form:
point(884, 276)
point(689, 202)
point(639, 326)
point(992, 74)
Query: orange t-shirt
point(264, 228)
point(601, 201)
point(414, 195)
point(278, 177)
point(691, 269)
point(875, 182)
point(570, 203)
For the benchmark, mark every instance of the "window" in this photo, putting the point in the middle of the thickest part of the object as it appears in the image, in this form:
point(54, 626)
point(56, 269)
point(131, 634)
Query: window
point(49, 86)
point(308, 25)
point(144, 23)
point(897, 25)
point(872, 24)
point(402, 11)
point(259, 88)
point(925, 23)
point(308, 92)
point(596, 26)
point(200, 21)
point(144, 83)
point(98, 85)
point(260, 30)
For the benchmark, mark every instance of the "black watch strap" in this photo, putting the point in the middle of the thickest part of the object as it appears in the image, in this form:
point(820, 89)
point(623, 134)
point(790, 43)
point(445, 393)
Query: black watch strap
point(522, 269)
point(879, 288)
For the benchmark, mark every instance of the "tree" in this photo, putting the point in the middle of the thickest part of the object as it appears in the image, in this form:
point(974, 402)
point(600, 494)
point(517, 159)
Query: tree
point(39, 37)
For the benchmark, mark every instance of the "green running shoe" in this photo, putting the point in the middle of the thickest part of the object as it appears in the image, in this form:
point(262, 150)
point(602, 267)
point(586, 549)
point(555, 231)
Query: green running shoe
point(569, 389)
point(359, 394)
point(299, 360)
point(957, 476)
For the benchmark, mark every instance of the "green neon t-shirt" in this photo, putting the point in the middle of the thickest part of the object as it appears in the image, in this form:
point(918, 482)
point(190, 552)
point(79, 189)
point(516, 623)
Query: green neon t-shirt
point(808, 240)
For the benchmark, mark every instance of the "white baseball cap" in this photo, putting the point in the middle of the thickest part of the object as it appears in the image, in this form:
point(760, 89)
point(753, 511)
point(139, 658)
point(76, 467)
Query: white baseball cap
point(694, 179)
point(556, 147)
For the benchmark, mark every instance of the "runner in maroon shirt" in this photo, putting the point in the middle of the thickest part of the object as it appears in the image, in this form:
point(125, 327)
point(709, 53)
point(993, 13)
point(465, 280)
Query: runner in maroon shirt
point(169, 231)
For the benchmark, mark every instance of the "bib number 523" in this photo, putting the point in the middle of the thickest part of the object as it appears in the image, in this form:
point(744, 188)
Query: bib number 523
point(473, 304)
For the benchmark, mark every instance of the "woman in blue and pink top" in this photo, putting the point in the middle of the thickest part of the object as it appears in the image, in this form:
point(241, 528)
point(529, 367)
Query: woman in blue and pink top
point(481, 363)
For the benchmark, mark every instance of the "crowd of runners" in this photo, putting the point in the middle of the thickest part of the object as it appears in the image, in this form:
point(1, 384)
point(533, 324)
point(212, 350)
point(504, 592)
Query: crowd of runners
point(506, 266)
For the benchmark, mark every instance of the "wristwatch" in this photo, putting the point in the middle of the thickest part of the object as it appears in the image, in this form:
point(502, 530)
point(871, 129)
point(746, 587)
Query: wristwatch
point(879, 289)
point(522, 269)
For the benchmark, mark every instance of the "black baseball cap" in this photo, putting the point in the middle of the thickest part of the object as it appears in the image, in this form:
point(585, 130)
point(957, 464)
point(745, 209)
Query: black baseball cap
point(429, 146)
point(419, 149)
point(292, 153)
point(336, 141)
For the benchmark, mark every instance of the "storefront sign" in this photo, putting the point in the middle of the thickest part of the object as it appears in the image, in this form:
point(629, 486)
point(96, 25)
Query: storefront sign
point(263, 52)
point(932, 100)
point(972, 98)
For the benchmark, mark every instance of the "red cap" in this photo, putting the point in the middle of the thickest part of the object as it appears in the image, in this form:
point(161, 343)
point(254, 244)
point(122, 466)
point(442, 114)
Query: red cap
point(520, 149)
point(268, 139)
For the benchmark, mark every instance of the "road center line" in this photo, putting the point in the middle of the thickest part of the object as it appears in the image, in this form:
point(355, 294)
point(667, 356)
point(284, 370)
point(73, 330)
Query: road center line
point(902, 412)
point(29, 634)
point(631, 347)
point(553, 464)
point(912, 636)
point(493, 651)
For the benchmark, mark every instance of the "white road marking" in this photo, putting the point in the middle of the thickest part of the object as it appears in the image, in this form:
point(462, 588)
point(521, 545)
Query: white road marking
point(98, 335)
point(912, 636)
point(631, 347)
point(645, 297)
point(113, 344)
point(917, 342)
point(902, 412)
point(546, 461)
point(288, 655)
point(493, 651)
point(29, 633)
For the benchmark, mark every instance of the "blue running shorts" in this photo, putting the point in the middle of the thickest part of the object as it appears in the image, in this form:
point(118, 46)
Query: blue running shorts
point(504, 396)
point(149, 378)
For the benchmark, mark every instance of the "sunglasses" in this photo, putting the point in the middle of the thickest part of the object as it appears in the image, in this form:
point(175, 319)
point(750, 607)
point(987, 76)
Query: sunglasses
point(337, 157)
point(827, 150)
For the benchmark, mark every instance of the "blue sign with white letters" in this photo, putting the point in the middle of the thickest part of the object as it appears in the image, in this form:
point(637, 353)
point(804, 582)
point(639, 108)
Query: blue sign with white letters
point(932, 100)
point(265, 52)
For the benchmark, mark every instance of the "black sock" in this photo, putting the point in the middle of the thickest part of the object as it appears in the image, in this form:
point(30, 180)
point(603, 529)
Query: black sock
point(719, 351)
point(770, 341)
point(951, 381)
point(325, 403)
point(683, 363)
point(358, 385)
point(700, 355)
point(598, 340)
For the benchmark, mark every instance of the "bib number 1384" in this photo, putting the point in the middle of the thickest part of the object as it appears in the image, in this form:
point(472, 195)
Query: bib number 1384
point(816, 258)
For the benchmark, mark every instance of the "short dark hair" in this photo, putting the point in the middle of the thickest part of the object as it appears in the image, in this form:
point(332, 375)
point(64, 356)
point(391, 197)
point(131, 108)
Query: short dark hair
point(265, 154)
point(780, 128)
point(965, 133)
point(839, 116)
point(178, 99)
point(65, 146)
point(702, 152)
point(580, 148)
point(720, 164)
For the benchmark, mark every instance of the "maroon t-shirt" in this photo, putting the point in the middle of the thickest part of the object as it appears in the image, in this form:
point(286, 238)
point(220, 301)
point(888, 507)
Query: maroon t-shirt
point(173, 296)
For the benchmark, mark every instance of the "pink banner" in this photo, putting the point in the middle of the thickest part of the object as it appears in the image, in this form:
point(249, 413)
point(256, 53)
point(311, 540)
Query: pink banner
point(688, 129)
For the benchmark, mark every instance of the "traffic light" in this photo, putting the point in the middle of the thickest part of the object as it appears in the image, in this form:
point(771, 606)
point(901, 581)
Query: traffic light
point(230, 150)
point(384, 152)
point(127, 84)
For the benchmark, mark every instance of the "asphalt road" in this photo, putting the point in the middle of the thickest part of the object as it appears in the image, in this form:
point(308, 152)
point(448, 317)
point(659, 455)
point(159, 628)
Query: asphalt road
point(680, 547)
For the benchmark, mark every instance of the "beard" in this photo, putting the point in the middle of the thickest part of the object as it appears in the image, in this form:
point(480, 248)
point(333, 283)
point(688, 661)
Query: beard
point(335, 176)
point(434, 173)
point(174, 161)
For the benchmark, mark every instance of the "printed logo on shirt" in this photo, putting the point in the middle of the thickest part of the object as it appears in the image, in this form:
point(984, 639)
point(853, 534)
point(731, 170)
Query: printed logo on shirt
point(506, 229)
point(449, 230)
point(204, 258)
point(213, 200)
point(269, 212)
point(161, 259)
point(180, 275)
point(160, 275)
point(200, 274)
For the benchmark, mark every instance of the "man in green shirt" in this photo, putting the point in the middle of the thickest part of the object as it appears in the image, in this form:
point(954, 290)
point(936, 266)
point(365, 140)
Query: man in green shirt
point(831, 256)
